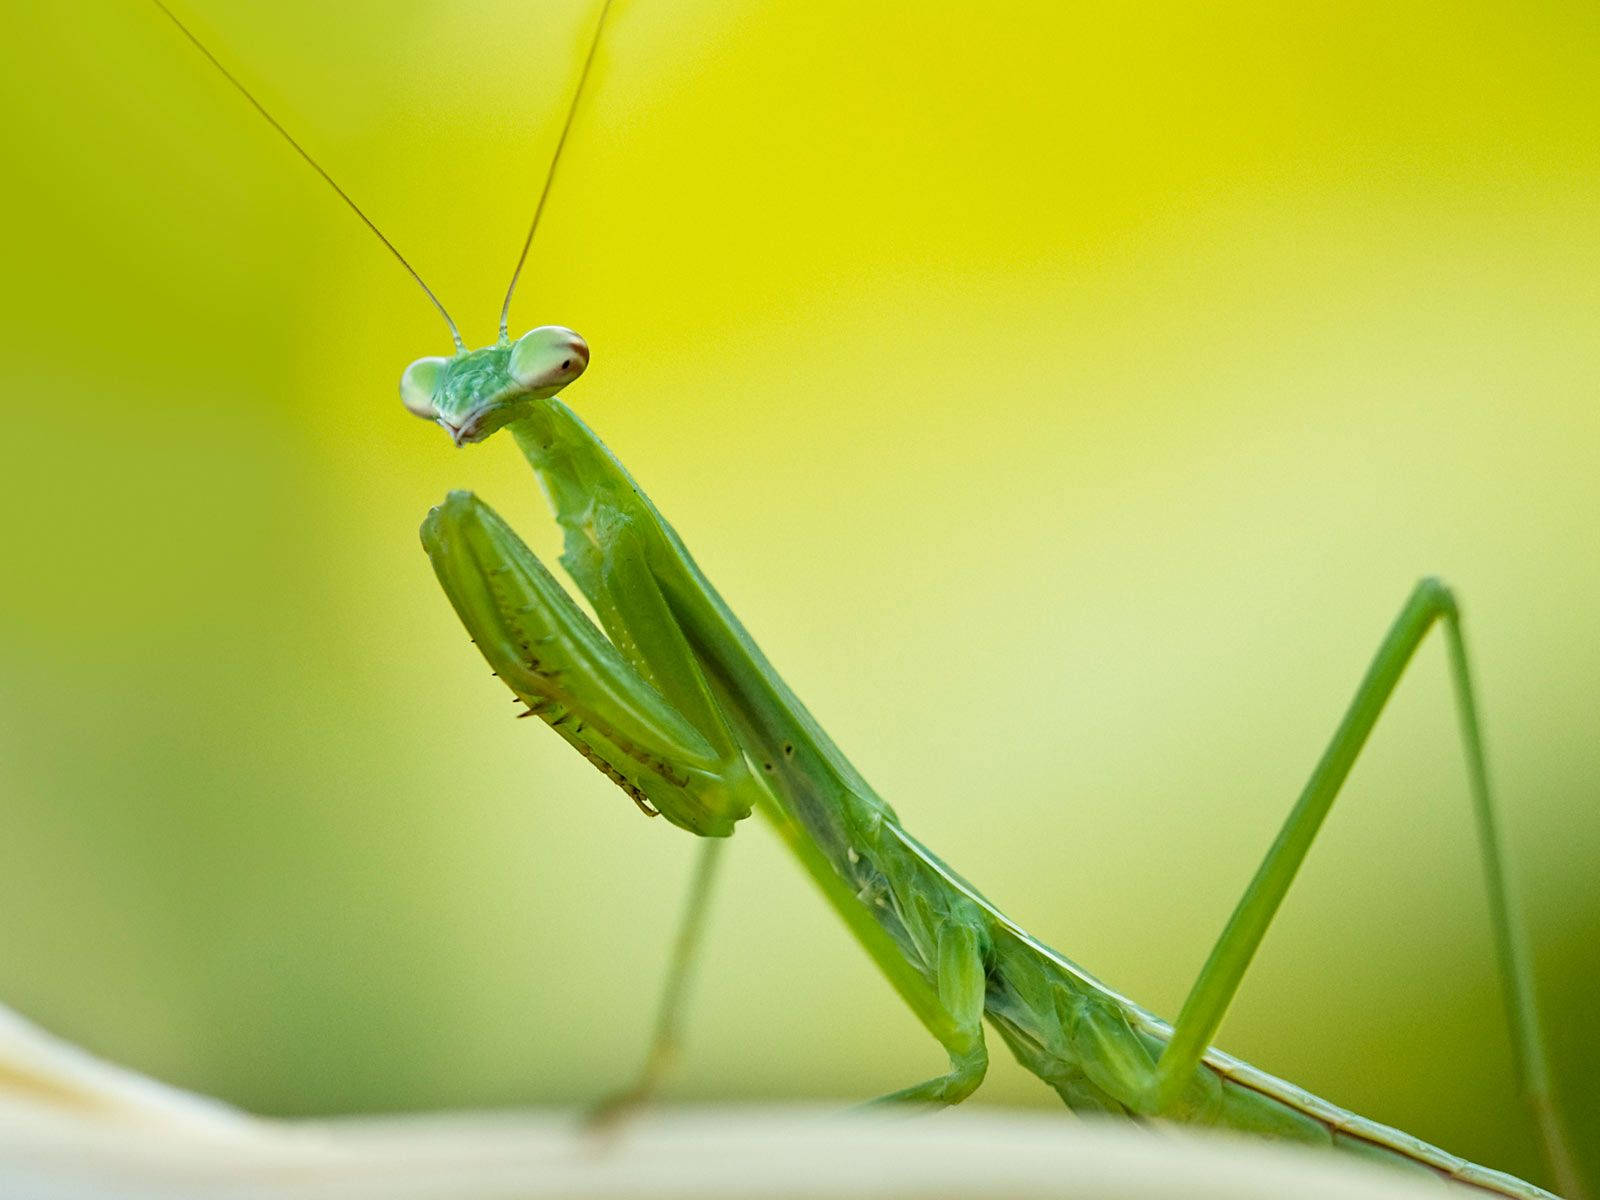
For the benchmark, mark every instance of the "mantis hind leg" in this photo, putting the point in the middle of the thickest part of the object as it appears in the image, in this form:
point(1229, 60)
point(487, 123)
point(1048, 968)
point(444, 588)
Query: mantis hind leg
point(1430, 603)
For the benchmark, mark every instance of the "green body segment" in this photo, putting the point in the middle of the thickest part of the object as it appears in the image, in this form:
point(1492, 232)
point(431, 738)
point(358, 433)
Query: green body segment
point(954, 958)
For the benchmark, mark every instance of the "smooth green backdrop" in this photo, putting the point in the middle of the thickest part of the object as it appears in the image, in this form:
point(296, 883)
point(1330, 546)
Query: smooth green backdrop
point(1066, 397)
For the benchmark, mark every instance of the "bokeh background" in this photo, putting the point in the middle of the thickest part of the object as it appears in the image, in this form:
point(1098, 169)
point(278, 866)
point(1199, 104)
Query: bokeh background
point(1066, 396)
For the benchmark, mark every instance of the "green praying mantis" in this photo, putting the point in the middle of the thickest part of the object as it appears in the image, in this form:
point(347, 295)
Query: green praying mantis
point(673, 701)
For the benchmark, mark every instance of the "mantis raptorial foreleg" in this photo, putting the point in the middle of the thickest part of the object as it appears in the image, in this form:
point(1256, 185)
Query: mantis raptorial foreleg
point(567, 672)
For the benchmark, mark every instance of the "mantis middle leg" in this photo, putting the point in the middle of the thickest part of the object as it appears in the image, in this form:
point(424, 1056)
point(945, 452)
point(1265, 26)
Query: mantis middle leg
point(666, 1035)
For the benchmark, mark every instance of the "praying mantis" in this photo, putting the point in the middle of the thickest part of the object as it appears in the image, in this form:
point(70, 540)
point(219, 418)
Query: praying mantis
point(671, 699)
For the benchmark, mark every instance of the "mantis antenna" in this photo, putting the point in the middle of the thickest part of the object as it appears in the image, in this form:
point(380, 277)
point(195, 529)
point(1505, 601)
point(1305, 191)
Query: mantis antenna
point(317, 167)
point(550, 176)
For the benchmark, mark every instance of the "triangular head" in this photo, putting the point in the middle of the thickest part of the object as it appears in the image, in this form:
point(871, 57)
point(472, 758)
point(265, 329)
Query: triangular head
point(476, 392)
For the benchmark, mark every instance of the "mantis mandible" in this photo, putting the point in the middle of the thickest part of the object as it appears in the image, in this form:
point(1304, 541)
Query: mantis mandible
point(672, 700)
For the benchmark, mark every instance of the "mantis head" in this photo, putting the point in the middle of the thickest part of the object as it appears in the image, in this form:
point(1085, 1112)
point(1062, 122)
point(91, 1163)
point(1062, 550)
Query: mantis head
point(478, 391)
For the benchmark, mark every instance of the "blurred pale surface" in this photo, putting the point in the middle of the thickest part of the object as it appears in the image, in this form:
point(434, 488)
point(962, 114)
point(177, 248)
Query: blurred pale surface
point(1066, 400)
point(73, 1128)
point(702, 1153)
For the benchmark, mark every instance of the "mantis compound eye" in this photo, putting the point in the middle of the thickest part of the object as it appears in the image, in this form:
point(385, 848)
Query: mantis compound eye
point(546, 359)
point(419, 384)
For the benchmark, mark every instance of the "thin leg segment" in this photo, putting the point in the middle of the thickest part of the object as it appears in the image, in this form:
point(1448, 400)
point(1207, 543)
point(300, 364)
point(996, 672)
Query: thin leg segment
point(666, 1039)
point(961, 986)
point(1430, 603)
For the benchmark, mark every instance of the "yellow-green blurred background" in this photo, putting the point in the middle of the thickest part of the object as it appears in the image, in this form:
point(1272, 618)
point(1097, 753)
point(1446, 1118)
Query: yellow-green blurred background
point(1065, 395)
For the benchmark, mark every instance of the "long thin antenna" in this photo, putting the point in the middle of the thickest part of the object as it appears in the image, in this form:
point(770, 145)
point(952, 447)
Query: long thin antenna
point(315, 166)
point(550, 177)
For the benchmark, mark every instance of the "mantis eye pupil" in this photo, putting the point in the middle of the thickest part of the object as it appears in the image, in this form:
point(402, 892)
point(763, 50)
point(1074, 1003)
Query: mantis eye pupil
point(549, 357)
